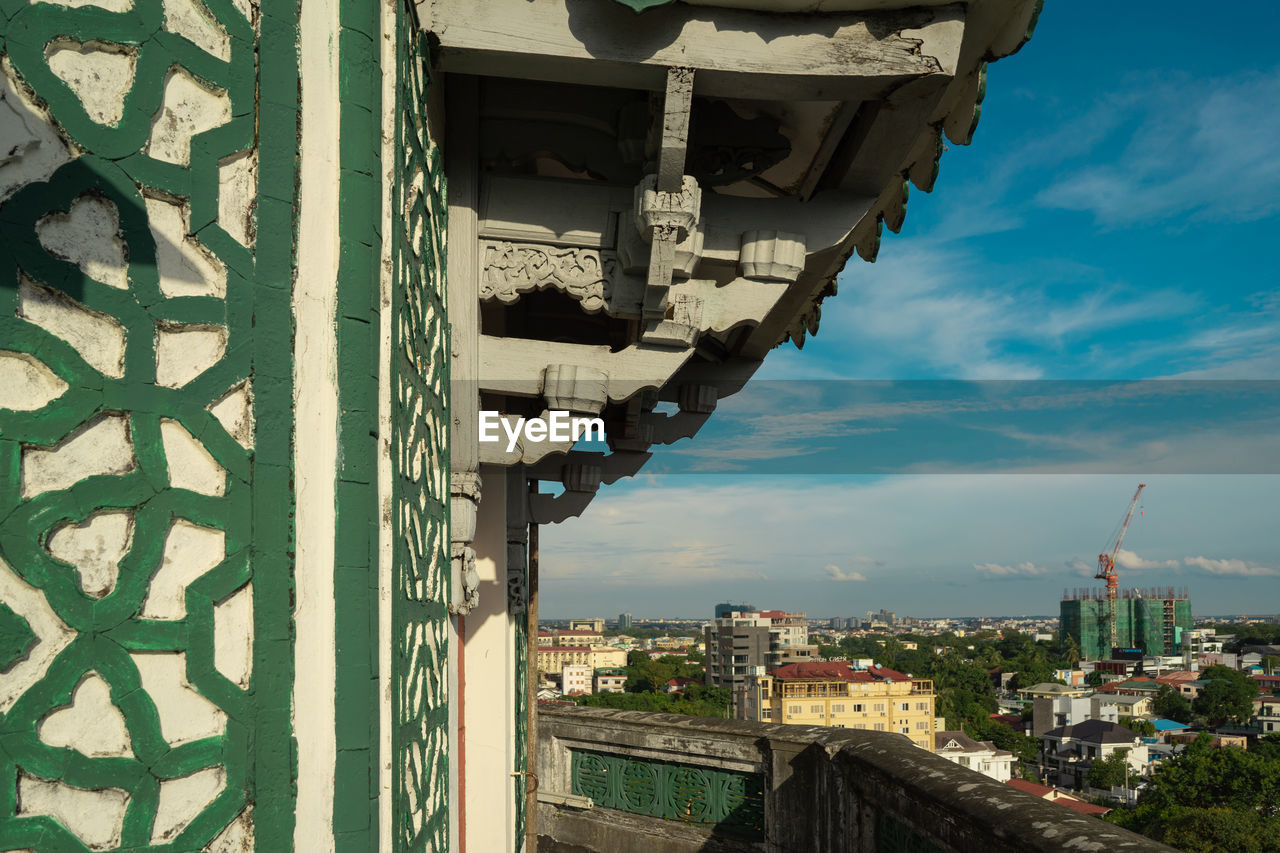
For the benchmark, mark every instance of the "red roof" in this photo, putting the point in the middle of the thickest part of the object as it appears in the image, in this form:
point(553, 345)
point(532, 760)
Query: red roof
point(834, 671)
point(1042, 791)
point(1030, 787)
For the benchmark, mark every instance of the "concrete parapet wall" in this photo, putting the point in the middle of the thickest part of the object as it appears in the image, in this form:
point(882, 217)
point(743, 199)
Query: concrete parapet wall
point(824, 789)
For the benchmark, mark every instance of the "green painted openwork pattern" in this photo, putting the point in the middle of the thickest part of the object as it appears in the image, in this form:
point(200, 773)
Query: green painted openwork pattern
point(420, 435)
point(186, 639)
point(727, 800)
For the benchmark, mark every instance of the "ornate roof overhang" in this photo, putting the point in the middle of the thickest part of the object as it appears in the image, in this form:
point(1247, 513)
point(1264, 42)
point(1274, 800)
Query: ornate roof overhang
point(643, 206)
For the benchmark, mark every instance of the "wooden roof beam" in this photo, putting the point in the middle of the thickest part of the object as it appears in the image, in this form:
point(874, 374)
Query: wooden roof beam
point(848, 56)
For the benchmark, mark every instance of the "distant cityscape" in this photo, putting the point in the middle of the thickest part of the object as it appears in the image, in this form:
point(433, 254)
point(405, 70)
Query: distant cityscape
point(1050, 705)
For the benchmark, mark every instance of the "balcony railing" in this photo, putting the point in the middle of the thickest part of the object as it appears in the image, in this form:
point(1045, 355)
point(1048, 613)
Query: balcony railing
point(632, 782)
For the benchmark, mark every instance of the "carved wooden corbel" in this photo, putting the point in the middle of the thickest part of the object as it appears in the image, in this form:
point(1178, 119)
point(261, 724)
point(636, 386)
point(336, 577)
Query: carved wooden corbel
point(464, 501)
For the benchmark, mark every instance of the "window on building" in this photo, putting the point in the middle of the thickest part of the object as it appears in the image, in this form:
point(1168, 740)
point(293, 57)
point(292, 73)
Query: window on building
point(879, 727)
point(964, 761)
point(857, 708)
point(922, 706)
point(766, 713)
point(815, 709)
point(880, 707)
point(906, 706)
point(906, 730)
point(794, 709)
point(837, 709)
point(922, 725)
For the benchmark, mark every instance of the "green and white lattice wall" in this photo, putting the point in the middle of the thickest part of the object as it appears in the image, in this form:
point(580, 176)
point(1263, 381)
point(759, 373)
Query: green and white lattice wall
point(223, 429)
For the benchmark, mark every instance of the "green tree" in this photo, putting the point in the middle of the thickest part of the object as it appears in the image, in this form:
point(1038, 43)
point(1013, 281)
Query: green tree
point(1215, 830)
point(1227, 698)
point(1111, 771)
point(1270, 663)
point(1171, 704)
point(829, 652)
point(1096, 678)
point(1030, 673)
point(1071, 652)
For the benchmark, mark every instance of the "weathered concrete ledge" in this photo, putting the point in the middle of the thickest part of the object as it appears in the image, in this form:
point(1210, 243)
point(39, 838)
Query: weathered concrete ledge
point(824, 789)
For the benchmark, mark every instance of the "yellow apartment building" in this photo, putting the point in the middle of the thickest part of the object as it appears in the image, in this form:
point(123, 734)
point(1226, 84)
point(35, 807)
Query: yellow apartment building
point(553, 658)
point(822, 693)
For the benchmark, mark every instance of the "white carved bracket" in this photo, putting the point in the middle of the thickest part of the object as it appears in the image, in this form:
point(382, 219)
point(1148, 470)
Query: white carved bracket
point(496, 453)
point(464, 500)
point(518, 366)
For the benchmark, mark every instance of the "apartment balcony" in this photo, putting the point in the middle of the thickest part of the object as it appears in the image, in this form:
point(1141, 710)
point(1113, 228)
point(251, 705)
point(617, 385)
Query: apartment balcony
point(632, 782)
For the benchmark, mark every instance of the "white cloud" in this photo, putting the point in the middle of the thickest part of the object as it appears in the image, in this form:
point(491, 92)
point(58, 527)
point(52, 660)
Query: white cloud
point(838, 574)
point(1231, 566)
point(1127, 559)
point(1021, 570)
point(1187, 140)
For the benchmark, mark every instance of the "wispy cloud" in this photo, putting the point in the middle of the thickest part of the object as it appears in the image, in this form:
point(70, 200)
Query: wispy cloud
point(1239, 568)
point(1188, 140)
point(836, 573)
point(1021, 570)
point(1126, 559)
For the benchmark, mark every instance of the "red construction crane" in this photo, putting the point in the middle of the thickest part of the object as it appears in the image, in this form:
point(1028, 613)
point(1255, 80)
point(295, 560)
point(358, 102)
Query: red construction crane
point(1107, 562)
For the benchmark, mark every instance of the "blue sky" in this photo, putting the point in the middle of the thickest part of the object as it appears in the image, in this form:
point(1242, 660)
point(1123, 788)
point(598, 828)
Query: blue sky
point(1114, 220)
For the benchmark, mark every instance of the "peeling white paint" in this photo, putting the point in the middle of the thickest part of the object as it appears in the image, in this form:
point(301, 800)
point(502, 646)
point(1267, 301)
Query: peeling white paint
point(52, 633)
point(184, 352)
point(102, 447)
point(191, 20)
point(238, 195)
point(184, 714)
point(95, 817)
point(234, 410)
point(27, 383)
point(88, 235)
point(99, 73)
point(190, 550)
point(316, 427)
point(99, 338)
point(188, 108)
point(91, 724)
point(185, 266)
point(95, 547)
point(191, 466)
point(31, 148)
point(182, 800)
point(233, 636)
point(236, 837)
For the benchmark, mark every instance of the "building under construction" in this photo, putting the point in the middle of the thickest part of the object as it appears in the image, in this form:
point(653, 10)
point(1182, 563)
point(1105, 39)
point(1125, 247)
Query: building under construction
point(1152, 620)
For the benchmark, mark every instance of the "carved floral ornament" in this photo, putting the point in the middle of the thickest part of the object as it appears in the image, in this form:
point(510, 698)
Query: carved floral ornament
point(511, 269)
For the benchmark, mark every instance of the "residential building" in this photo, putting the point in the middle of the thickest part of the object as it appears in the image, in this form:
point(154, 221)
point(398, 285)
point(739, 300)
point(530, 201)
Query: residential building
point(833, 693)
point(1051, 712)
point(1068, 752)
point(1051, 690)
point(624, 621)
point(575, 678)
point(552, 658)
point(610, 679)
point(1135, 707)
point(981, 756)
point(738, 641)
point(1266, 714)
